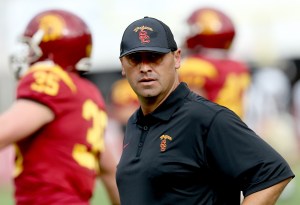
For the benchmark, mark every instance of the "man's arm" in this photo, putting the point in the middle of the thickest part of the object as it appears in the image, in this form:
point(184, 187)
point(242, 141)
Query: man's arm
point(108, 167)
point(267, 196)
point(22, 119)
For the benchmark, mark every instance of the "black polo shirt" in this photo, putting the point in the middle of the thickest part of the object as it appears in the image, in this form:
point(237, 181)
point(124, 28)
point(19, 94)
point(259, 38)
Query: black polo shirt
point(191, 151)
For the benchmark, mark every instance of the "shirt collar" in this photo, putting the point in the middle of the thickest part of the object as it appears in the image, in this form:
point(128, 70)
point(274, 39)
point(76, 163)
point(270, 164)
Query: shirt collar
point(166, 109)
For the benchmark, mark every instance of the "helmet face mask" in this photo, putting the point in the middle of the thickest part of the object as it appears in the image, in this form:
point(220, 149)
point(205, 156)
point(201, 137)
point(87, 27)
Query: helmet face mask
point(34, 42)
point(19, 60)
point(210, 28)
point(83, 65)
point(58, 36)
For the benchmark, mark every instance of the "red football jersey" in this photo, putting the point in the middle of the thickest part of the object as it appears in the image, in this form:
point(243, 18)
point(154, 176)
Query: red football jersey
point(223, 81)
point(59, 163)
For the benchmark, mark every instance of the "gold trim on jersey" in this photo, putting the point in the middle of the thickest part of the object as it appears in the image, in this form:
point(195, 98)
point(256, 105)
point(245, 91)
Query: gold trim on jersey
point(57, 70)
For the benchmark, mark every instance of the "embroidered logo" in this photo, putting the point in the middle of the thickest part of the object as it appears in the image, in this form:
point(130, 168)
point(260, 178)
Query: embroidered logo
point(143, 35)
point(163, 143)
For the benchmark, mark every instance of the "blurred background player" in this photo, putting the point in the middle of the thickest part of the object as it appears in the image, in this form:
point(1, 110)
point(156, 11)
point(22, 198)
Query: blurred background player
point(58, 119)
point(123, 102)
point(268, 113)
point(206, 66)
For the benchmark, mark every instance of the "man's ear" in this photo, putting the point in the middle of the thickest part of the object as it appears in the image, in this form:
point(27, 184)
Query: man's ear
point(123, 72)
point(177, 56)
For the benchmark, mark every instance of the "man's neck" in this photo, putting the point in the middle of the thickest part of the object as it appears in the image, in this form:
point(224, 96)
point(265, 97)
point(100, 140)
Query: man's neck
point(149, 104)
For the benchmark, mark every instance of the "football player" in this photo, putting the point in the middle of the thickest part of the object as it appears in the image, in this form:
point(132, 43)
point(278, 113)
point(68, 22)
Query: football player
point(206, 67)
point(58, 119)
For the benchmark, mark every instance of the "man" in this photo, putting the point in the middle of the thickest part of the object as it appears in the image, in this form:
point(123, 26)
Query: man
point(58, 120)
point(206, 67)
point(180, 148)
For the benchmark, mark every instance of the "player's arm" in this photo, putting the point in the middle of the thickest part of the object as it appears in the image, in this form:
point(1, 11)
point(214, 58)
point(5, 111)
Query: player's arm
point(108, 166)
point(267, 196)
point(22, 119)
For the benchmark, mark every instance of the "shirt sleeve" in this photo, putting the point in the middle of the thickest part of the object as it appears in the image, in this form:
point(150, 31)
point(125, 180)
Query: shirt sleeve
point(235, 151)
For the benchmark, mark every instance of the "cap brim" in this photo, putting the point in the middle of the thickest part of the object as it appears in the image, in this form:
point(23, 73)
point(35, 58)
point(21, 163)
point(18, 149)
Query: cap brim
point(147, 49)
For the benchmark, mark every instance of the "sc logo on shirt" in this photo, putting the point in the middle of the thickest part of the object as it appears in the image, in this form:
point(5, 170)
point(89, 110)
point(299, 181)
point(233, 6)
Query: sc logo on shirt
point(163, 143)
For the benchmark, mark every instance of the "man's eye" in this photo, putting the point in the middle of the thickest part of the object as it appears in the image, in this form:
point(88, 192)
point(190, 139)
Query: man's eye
point(137, 58)
point(155, 57)
point(134, 58)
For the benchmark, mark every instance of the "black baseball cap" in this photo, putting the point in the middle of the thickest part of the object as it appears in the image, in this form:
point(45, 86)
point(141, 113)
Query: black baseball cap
point(147, 34)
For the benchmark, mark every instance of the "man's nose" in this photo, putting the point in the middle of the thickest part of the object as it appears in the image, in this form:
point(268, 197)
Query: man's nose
point(145, 65)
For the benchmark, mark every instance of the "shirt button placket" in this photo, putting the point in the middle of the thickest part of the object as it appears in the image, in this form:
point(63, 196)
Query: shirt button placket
point(142, 140)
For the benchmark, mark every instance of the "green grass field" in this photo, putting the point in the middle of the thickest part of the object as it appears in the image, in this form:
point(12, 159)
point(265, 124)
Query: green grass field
point(101, 197)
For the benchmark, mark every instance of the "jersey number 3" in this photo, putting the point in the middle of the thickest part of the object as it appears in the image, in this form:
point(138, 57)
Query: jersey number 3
point(95, 137)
